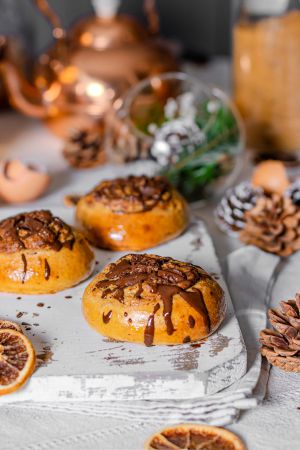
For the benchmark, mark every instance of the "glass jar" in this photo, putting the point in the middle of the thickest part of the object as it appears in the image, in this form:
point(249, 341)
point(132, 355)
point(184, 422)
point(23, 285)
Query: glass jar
point(266, 71)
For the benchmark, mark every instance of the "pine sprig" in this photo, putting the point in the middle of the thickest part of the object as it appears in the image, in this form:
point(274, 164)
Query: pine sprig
point(194, 171)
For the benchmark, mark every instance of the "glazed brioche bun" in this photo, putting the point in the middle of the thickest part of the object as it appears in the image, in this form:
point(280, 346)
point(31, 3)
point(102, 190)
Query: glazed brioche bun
point(154, 300)
point(133, 213)
point(40, 254)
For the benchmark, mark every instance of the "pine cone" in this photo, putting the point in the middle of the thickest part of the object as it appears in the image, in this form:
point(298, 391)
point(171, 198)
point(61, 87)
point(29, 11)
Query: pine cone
point(230, 213)
point(273, 225)
point(123, 145)
point(281, 346)
point(293, 192)
point(86, 147)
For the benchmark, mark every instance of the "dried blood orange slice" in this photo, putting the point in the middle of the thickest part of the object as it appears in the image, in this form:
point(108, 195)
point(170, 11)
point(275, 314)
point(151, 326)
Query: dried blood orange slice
point(194, 437)
point(17, 360)
point(7, 324)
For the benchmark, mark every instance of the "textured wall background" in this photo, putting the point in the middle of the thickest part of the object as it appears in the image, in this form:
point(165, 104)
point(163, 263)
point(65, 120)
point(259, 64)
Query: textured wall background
point(203, 26)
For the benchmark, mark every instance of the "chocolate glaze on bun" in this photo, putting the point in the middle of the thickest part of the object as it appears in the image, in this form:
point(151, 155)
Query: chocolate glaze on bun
point(132, 213)
point(133, 194)
point(39, 254)
point(154, 300)
point(34, 230)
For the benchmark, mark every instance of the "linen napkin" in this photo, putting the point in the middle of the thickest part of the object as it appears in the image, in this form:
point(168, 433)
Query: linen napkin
point(250, 277)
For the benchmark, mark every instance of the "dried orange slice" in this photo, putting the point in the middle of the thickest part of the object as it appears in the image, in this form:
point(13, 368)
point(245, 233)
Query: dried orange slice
point(7, 324)
point(17, 360)
point(194, 437)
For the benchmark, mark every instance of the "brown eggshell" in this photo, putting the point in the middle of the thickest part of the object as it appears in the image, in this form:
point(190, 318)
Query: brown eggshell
point(20, 183)
point(271, 176)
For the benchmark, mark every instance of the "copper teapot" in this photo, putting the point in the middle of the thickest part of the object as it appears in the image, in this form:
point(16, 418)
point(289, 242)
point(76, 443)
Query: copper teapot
point(88, 67)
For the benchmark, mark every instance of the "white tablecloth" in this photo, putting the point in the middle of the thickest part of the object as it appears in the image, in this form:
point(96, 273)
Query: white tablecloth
point(273, 426)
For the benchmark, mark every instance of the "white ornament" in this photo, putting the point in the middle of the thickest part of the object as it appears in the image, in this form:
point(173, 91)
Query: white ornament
point(152, 128)
point(171, 108)
point(213, 106)
point(187, 107)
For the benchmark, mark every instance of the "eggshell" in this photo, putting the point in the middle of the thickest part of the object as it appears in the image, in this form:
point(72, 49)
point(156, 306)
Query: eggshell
point(271, 176)
point(20, 182)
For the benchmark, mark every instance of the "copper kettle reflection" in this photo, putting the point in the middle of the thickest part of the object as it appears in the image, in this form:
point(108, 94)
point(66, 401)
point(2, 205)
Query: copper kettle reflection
point(87, 68)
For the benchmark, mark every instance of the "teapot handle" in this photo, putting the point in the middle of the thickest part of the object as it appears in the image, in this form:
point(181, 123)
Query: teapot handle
point(152, 16)
point(58, 32)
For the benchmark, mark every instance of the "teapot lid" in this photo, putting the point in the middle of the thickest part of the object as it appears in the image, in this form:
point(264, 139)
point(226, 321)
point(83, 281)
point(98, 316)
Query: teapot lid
point(108, 29)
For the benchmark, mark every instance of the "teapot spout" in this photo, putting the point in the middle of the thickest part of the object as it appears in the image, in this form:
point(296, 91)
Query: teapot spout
point(21, 94)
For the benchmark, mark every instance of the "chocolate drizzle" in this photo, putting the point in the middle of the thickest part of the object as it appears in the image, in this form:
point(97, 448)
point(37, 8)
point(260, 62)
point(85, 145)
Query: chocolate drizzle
point(106, 317)
point(34, 230)
point(47, 270)
point(133, 194)
point(165, 277)
point(196, 301)
point(191, 321)
point(149, 330)
point(24, 260)
point(167, 293)
point(5, 170)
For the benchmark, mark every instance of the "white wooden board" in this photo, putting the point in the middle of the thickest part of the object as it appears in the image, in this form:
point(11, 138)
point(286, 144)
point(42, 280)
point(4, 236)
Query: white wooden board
point(80, 364)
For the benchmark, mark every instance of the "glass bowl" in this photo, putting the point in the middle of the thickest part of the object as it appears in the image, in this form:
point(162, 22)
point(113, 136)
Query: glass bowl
point(191, 130)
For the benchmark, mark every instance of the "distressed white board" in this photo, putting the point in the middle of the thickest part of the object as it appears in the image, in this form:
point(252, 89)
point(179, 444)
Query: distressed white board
point(80, 364)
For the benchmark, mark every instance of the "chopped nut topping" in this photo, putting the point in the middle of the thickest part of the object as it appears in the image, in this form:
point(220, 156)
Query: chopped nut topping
point(133, 194)
point(34, 230)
